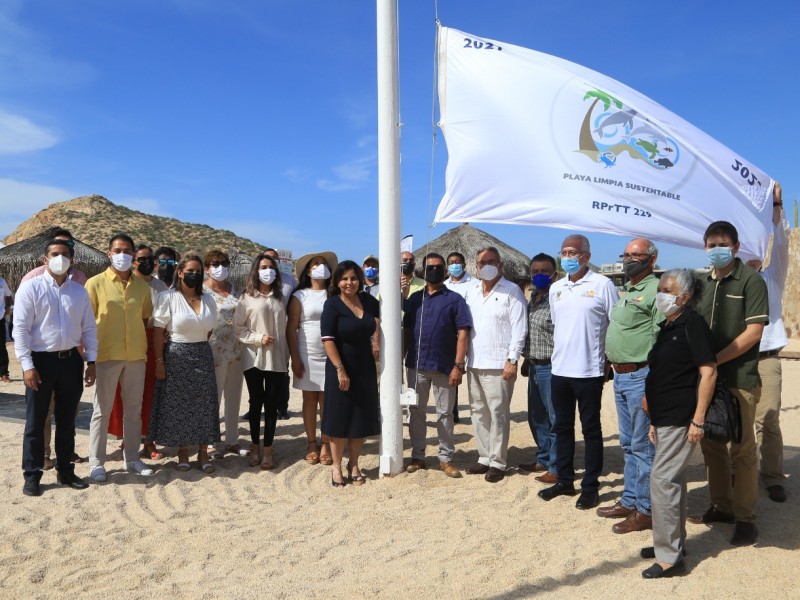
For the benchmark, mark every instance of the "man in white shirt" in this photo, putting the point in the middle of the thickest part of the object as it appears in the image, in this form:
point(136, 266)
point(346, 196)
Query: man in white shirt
point(500, 323)
point(459, 280)
point(52, 317)
point(580, 306)
point(768, 409)
point(5, 309)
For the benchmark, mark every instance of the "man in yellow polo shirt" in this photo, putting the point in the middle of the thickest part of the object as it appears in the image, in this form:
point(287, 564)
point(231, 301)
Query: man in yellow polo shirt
point(122, 306)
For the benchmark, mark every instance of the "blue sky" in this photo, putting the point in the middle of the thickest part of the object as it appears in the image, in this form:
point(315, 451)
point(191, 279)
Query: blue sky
point(260, 116)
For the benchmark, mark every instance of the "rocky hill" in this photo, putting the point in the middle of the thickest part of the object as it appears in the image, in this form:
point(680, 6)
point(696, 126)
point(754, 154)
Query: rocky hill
point(94, 219)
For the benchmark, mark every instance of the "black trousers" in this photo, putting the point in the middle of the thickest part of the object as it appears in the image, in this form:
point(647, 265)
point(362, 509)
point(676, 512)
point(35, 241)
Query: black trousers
point(265, 389)
point(3, 350)
point(588, 393)
point(283, 400)
point(62, 379)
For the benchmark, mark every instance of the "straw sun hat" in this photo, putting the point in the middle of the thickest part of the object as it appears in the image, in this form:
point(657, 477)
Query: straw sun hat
point(302, 262)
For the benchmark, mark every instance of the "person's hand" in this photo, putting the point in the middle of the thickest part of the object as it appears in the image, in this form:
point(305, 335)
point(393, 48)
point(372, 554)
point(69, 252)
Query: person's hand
point(405, 285)
point(523, 370)
point(266, 340)
point(90, 375)
point(344, 380)
point(695, 434)
point(298, 368)
point(509, 371)
point(376, 350)
point(161, 371)
point(777, 194)
point(652, 435)
point(645, 407)
point(32, 379)
point(455, 378)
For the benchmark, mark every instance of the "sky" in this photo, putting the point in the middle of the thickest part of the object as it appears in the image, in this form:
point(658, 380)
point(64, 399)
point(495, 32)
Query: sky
point(260, 116)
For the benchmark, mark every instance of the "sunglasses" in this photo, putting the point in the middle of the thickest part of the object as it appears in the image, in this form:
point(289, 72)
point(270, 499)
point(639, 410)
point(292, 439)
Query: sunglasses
point(220, 263)
point(167, 261)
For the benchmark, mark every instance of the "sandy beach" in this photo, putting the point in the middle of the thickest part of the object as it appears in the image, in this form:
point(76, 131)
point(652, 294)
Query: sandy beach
point(244, 533)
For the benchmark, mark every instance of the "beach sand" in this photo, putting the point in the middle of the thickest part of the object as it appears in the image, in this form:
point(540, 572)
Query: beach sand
point(244, 533)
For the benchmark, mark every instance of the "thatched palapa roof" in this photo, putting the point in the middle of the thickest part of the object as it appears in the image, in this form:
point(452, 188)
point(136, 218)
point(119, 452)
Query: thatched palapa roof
point(19, 258)
point(467, 240)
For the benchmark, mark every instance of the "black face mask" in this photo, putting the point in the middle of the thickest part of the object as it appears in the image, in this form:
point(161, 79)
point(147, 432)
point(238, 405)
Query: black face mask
point(633, 268)
point(192, 280)
point(166, 273)
point(434, 274)
point(407, 268)
point(146, 268)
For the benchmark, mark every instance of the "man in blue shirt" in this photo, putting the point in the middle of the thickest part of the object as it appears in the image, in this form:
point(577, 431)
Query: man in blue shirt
point(436, 326)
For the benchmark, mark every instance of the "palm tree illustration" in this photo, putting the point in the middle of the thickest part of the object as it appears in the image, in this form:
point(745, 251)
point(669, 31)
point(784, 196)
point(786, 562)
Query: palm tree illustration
point(586, 141)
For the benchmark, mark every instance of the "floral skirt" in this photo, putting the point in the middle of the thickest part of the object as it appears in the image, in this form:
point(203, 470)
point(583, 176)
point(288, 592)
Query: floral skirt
point(185, 410)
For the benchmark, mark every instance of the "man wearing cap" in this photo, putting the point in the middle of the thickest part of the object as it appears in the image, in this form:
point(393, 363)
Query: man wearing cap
point(736, 306)
point(580, 306)
point(436, 324)
point(631, 334)
point(370, 268)
point(53, 316)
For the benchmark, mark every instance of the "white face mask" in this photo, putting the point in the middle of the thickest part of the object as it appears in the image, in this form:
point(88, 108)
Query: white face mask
point(219, 273)
point(665, 303)
point(58, 265)
point(320, 272)
point(488, 272)
point(121, 261)
point(266, 276)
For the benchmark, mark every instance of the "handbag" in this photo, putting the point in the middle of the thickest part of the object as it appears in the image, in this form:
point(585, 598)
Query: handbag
point(723, 422)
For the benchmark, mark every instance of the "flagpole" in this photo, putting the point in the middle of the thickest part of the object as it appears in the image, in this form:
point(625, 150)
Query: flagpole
point(391, 461)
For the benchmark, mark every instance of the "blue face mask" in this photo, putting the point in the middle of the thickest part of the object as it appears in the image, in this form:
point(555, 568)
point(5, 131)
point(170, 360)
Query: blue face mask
point(456, 270)
point(720, 257)
point(571, 265)
point(541, 281)
point(370, 272)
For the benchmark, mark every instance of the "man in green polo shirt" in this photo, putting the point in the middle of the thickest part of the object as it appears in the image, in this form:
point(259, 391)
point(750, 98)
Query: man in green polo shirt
point(735, 305)
point(631, 334)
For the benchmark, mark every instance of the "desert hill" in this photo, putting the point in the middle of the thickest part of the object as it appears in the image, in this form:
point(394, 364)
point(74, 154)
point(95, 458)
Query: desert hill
point(94, 219)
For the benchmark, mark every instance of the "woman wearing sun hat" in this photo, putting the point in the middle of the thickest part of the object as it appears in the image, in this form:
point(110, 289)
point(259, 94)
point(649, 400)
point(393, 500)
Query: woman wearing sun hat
point(305, 343)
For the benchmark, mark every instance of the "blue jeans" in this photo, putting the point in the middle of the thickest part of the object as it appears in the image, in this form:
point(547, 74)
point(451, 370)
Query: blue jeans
point(634, 426)
point(541, 417)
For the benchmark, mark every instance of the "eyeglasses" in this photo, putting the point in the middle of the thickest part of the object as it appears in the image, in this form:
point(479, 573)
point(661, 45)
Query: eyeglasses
point(634, 255)
point(167, 261)
point(220, 263)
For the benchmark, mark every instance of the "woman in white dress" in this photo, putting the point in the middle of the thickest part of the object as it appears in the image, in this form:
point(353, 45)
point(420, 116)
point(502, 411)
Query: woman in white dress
point(305, 344)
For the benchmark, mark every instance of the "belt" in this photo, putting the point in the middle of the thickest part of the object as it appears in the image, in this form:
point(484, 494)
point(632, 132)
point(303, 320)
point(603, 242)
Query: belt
point(540, 361)
point(768, 353)
point(57, 353)
point(628, 367)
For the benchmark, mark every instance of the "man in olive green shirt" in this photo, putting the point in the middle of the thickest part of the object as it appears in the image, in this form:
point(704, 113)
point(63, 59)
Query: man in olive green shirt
point(630, 336)
point(734, 303)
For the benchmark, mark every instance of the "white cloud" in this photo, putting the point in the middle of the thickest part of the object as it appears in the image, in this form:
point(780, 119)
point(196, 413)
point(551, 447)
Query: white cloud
point(19, 134)
point(19, 201)
point(351, 175)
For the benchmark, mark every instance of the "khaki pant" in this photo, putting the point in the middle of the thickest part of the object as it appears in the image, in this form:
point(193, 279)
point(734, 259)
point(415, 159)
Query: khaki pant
point(768, 426)
point(130, 376)
point(229, 382)
point(741, 498)
point(490, 403)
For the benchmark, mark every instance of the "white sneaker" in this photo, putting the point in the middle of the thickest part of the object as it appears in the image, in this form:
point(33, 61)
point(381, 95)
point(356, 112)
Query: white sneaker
point(98, 474)
point(139, 468)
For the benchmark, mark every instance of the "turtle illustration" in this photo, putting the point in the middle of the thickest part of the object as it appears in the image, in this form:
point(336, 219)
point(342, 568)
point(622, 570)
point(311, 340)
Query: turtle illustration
point(650, 147)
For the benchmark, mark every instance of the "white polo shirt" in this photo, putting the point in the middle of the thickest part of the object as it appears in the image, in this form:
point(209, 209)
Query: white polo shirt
point(581, 312)
point(499, 324)
point(460, 286)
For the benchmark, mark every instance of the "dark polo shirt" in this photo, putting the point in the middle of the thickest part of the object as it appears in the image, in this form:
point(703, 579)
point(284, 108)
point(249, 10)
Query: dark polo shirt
point(729, 305)
point(434, 324)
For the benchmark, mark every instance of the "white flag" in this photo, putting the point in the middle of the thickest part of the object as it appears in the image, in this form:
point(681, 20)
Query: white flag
point(536, 140)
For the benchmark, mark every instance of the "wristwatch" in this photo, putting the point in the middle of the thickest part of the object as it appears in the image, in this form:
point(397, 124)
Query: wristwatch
point(89, 362)
point(513, 361)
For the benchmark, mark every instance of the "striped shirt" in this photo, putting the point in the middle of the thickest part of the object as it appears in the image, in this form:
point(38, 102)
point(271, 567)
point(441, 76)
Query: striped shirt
point(539, 342)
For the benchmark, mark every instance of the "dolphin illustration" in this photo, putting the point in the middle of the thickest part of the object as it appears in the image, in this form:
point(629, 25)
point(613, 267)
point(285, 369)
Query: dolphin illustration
point(623, 117)
point(646, 130)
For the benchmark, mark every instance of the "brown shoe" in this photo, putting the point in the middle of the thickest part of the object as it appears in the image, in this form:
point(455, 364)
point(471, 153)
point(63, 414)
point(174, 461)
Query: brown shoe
point(415, 465)
point(450, 469)
point(548, 478)
point(477, 469)
point(533, 467)
point(617, 511)
point(636, 521)
point(493, 475)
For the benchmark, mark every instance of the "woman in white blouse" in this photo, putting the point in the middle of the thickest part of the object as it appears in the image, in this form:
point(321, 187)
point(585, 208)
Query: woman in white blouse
point(260, 324)
point(185, 411)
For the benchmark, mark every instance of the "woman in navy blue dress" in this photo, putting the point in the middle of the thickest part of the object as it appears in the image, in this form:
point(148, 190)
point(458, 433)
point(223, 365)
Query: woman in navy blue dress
point(349, 327)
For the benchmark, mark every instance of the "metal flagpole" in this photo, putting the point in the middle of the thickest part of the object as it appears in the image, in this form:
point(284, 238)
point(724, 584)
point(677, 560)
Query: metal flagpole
point(391, 462)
